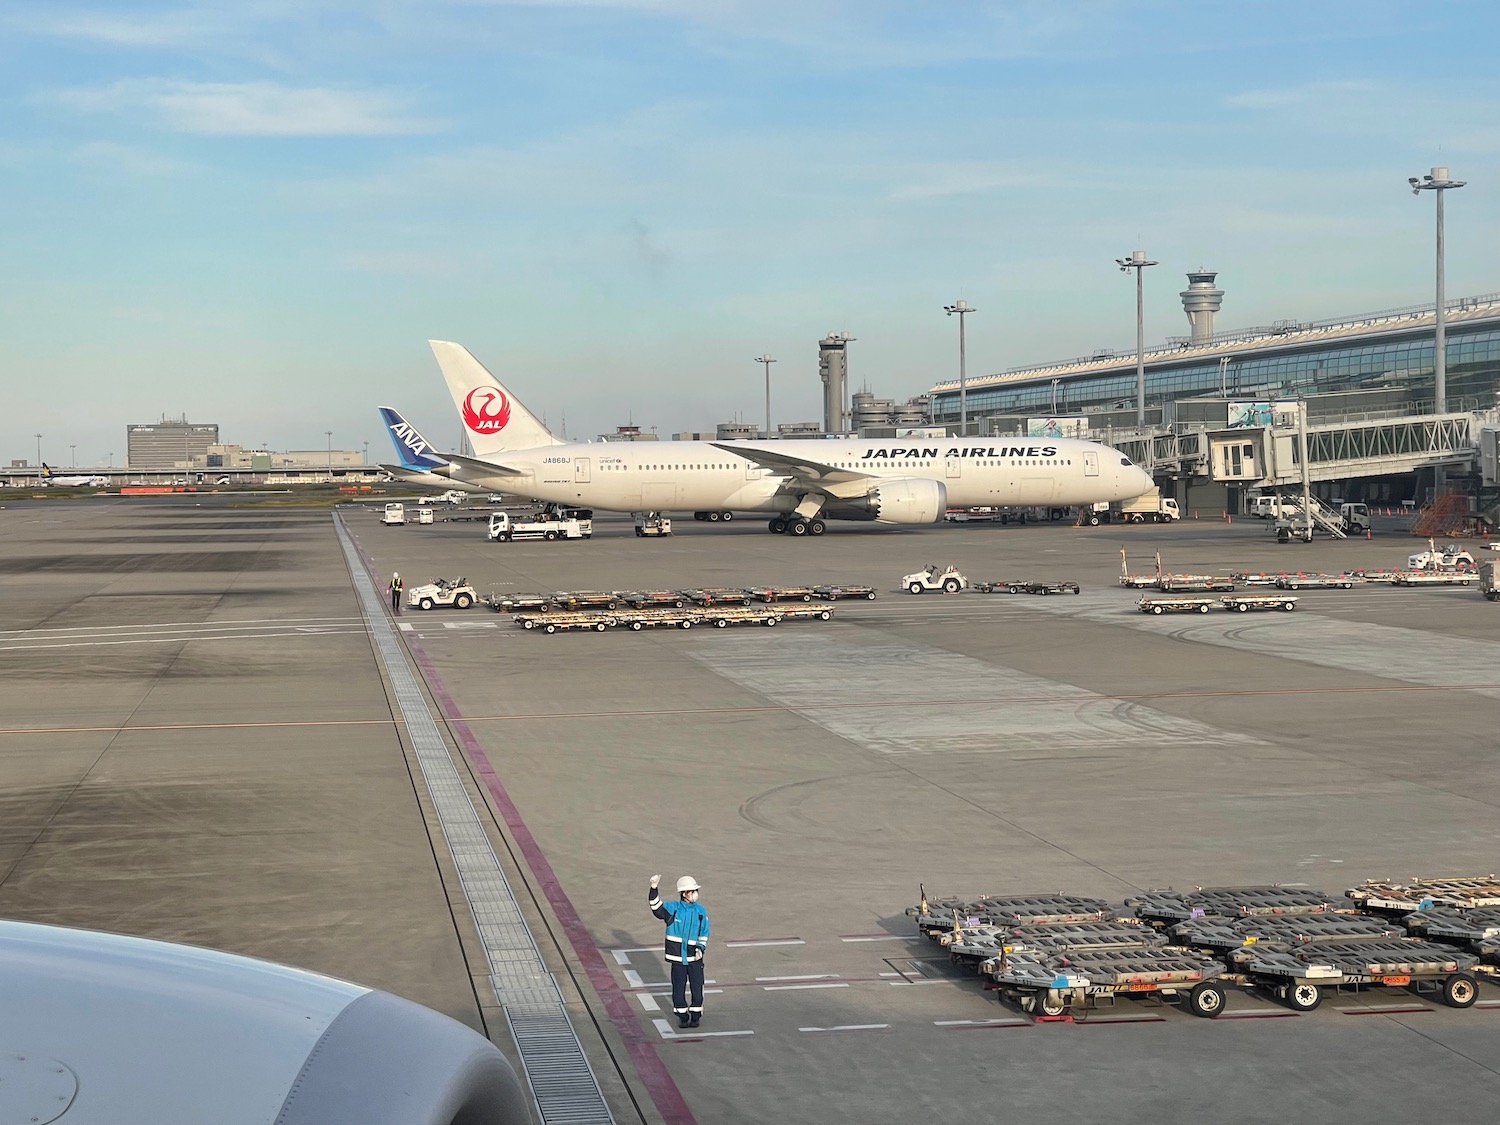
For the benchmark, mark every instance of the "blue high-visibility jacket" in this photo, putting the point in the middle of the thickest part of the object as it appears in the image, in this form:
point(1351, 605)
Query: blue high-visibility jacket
point(687, 927)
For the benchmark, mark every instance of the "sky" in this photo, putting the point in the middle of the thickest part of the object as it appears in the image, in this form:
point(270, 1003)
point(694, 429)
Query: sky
point(257, 212)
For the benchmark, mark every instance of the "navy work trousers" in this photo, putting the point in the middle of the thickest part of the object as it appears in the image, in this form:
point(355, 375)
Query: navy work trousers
point(684, 976)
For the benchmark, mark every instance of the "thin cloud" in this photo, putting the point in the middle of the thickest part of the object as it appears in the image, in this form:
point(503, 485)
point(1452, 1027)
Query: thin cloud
point(1301, 96)
point(183, 27)
point(126, 160)
point(256, 109)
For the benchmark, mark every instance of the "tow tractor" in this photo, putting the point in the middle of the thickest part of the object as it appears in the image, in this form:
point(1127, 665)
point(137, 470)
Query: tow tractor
point(948, 579)
point(649, 526)
point(1244, 603)
point(455, 592)
point(1450, 556)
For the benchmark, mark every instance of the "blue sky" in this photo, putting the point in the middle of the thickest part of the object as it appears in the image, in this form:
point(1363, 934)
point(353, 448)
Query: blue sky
point(257, 212)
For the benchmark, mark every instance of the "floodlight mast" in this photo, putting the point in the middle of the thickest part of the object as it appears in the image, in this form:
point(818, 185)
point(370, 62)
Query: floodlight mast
point(960, 308)
point(1138, 262)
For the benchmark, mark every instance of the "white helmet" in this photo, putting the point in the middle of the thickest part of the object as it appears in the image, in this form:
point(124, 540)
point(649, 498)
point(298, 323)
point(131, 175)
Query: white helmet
point(687, 883)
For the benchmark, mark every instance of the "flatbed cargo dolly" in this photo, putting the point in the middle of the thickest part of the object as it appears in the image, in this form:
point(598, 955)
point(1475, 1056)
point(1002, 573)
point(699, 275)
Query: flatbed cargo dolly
point(976, 946)
point(562, 621)
point(649, 599)
point(1316, 581)
point(804, 612)
point(585, 599)
point(998, 587)
point(1150, 604)
point(935, 916)
point(718, 595)
point(1167, 908)
point(1259, 578)
point(1435, 578)
point(1388, 896)
point(838, 593)
point(781, 593)
point(1237, 943)
point(520, 603)
point(1192, 583)
point(1299, 974)
point(1244, 603)
point(723, 617)
point(1060, 985)
point(1468, 928)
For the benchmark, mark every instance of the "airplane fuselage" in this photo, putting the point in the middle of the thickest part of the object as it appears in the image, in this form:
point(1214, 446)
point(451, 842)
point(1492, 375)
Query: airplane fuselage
point(704, 476)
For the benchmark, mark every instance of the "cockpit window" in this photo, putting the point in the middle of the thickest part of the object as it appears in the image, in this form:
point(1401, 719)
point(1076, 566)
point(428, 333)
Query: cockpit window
point(1125, 460)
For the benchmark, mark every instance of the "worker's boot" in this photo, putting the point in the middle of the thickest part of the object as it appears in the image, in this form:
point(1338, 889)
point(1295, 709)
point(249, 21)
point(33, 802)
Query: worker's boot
point(683, 1019)
point(695, 1019)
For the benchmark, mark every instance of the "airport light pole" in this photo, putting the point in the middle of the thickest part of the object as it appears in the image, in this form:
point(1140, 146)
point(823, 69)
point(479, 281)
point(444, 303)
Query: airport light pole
point(330, 453)
point(767, 360)
point(1437, 181)
point(1138, 262)
point(960, 308)
point(72, 457)
point(38, 451)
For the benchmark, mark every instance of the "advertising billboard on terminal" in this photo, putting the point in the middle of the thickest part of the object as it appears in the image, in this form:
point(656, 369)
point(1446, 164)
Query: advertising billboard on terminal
point(1066, 426)
point(1246, 415)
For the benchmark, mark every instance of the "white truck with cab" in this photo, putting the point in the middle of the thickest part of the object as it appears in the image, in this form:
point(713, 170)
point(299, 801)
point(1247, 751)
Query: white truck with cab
point(1148, 507)
point(452, 496)
point(505, 529)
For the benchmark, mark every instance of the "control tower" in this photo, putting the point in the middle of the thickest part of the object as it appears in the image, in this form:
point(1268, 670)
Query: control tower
point(1201, 300)
point(835, 376)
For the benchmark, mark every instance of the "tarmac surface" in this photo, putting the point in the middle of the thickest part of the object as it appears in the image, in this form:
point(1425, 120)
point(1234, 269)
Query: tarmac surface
point(197, 743)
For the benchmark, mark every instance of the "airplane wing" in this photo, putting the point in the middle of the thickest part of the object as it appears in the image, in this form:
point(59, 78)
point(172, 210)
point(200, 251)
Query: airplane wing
point(807, 474)
point(484, 468)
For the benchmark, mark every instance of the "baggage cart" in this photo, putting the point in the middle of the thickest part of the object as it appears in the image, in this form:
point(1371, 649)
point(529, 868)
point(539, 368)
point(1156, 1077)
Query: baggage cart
point(718, 595)
point(1189, 583)
point(1299, 974)
point(585, 599)
point(648, 599)
point(1390, 897)
point(838, 593)
point(1166, 908)
point(1159, 606)
point(1244, 603)
point(1316, 582)
point(1060, 985)
point(781, 593)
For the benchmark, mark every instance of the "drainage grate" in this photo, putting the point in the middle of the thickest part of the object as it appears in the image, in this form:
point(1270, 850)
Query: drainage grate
point(558, 1071)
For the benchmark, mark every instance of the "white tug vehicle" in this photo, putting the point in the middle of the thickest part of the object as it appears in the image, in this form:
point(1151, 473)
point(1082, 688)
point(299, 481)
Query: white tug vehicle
point(455, 592)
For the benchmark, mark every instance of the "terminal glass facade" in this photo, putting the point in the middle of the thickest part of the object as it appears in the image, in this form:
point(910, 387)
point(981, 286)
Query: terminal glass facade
point(1305, 369)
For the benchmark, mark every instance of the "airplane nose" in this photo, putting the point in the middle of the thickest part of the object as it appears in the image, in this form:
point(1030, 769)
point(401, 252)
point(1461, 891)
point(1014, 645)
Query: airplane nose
point(1143, 479)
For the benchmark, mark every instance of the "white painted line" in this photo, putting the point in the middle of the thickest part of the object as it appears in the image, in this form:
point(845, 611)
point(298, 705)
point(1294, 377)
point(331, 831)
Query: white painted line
point(664, 1029)
point(406, 626)
point(648, 1002)
point(888, 937)
point(1487, 1003)
point(981, 1023)
point(905, 983)
point(623, 955)
point(890, 974)
point(774, 941)
point(668, 992)
point(788, 987)
point(806, 976)
point(633, 979)
point(849, 1027)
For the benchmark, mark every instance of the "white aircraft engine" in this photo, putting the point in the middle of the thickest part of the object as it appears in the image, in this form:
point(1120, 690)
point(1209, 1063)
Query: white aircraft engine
point(905, 501)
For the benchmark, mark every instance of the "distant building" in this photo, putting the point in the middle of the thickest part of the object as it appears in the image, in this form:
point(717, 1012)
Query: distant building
point(172, 443)
point(627, 433)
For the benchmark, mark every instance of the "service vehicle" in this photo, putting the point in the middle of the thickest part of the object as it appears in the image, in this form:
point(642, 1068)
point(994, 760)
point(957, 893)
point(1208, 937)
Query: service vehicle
point(424, 515)
point(1244, 603)
point(585, 599)
point(1448, 557)
point(781, 593)
point(1435, 578)
point(650, 599)
point(1159, 606)
point(1298, 973)
point(1057, 984)
point(1354, 517)
point(1487, 582)
point(1194, 582)
point(394, 514)
point(650, 527)
point(1316, 581)
point(455, 592)
point(1148, 507)
point(1026, 587)
point(837, 593)
point(505, 529)
point(452, 496)
point(718, 595)
point(948, 579)
point(520, 603)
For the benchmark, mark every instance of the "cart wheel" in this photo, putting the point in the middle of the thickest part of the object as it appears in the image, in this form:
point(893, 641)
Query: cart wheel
point(1206, 1000)
point(1243, 607)
point(771, 621)
point(1301, 997)
point(600, 626)
point(528, 624)
point(914, 588)
point(1157, 609)
point(550, 628)
point(870, 596)
point(807, 597)
point(549, 536)
point(463, 601)
point(635, 626)
point(1460, 991)
point(825, 615)
point(1203, 609)
point(688, 624)
point(1050, 1003)
point(425, 603)
point(1289, 606)
point(721, 623)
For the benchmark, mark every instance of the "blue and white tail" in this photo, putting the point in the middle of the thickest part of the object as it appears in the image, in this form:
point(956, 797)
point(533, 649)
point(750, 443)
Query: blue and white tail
point(494, 420)
point(413, 451)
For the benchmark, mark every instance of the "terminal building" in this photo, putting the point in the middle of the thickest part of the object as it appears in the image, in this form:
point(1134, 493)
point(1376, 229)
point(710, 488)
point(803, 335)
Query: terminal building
point(172, 443)
point(1222, 408)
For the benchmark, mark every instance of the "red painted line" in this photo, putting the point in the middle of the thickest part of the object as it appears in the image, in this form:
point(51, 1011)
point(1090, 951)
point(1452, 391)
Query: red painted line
point(1268, 1014)
point(658, 1081)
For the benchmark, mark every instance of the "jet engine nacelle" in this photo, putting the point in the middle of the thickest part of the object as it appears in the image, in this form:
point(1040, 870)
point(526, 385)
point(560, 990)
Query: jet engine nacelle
point(900, 501)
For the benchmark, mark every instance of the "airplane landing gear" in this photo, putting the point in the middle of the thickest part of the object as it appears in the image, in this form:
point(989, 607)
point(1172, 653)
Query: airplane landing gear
point(798, 527)
point(777, 526)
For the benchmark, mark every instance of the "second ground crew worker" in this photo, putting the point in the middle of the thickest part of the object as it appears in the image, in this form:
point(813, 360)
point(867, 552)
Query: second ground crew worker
point(396, 592)
point(687, 940)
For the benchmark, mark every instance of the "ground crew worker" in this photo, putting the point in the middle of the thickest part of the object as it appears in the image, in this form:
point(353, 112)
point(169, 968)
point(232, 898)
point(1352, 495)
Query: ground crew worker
point(687, 940)
point(395, 589)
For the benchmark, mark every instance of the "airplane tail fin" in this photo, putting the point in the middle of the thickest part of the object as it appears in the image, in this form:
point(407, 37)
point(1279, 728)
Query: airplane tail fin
point(47, 471)
point(494, 420)
point(413, 451)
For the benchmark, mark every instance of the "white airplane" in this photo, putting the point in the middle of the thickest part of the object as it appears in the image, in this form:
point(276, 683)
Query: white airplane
point(799, 484)
point(417, 456)
point(50, 478)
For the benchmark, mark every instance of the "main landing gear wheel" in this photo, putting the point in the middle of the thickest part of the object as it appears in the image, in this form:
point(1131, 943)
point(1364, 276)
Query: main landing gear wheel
point(816, 527)
point(726, 516)
point(1206, 1000)
point(777, 526)
point(798, 528)
point(713, 517)
point(1460, 991)
point(1303, 997)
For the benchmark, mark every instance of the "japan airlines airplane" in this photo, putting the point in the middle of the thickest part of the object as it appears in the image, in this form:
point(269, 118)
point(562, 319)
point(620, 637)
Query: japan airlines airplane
point(799, 484)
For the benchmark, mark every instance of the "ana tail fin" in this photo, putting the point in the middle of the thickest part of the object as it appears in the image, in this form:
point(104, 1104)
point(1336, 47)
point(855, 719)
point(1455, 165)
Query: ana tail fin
point(493, 419)
point(413, 451)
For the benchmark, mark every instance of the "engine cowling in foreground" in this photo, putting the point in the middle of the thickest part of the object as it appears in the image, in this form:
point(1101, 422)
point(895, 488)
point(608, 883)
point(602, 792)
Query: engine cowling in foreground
point(895, 501)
